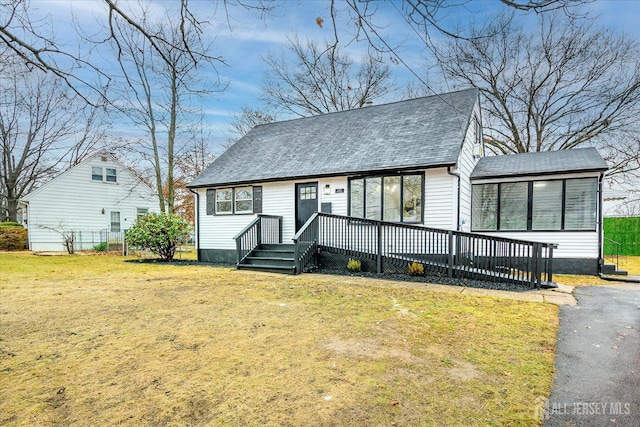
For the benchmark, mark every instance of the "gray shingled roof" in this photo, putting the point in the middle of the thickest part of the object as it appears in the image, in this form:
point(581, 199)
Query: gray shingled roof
point(547, 162)
point(418, 133)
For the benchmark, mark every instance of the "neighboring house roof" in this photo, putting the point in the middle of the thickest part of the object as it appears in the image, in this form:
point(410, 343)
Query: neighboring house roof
point(417, 133)
point(541, 163)
point(100, 153)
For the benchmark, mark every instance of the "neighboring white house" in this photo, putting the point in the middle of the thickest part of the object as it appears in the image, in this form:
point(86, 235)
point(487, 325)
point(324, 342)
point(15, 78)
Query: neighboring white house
point(406, 162)
point(94, 199)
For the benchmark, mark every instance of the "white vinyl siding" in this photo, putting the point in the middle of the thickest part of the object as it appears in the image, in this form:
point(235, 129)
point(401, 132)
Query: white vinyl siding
point(278, 198)
point(575, 244)
point(73, 201)
point(440, 199)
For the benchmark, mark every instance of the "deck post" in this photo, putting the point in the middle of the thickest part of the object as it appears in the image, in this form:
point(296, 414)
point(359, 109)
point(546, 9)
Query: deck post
point(259, 231)
point(550, 263)
point(379, 255)
point(450, 263)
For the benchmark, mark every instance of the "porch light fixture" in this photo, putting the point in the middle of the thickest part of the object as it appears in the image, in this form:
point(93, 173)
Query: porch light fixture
point(102, 211)
point(327, 190)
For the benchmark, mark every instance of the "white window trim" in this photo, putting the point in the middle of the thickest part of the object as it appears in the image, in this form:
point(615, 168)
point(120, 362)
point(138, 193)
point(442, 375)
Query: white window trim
point(218, 200)
point(236, 190)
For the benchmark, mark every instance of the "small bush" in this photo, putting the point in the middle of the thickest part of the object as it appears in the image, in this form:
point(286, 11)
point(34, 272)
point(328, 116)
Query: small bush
point(354, 265)
point(101, 247)
point(159, 233)
point(10, 224)
point(415, 269)
point(12, 238)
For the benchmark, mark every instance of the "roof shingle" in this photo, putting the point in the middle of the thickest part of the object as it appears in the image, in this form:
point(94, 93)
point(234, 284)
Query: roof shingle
point(541, 163)
point(417, 133)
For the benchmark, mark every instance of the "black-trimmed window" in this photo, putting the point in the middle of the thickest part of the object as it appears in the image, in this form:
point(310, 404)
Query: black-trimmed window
point(546, 205)
point(395, 198)
point(234, 200)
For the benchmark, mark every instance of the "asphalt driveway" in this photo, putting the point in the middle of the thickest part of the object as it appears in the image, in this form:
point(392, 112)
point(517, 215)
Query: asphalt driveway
point(597, 366)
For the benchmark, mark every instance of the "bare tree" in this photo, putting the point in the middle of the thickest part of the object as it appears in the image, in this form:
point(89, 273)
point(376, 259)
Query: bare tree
point(195, 156)
point(322, 80)
point(44, 128)
point(563, 84)
point(246, 120)
point(159, 80)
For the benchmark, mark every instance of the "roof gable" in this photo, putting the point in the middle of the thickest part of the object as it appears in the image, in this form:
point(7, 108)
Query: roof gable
point(417, 133)
point(540, 163)
point(72, 170)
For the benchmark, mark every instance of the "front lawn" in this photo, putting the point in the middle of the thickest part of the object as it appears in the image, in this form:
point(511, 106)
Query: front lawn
point(95, 340)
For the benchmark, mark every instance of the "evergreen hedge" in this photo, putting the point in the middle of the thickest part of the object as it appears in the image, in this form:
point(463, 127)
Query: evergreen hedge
point(624, 230)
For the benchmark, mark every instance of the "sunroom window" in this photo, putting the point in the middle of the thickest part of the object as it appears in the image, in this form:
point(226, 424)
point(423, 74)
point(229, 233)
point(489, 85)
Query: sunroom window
point(546, 205)
point(395, 198)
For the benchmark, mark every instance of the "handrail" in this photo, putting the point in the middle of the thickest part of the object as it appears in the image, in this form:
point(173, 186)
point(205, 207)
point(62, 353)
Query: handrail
point(260, 230)
point(305, 243)
point(453, 253)
point(247, 228)
point(617, 246)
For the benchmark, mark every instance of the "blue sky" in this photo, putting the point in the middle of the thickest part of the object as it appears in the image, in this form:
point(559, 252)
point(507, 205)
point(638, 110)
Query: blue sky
point(245, 37)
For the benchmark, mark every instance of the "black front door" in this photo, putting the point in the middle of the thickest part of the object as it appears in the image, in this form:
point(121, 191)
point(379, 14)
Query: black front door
point(306, 202)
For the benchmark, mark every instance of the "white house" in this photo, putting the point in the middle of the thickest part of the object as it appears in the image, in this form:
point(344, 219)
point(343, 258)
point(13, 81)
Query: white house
point(409, 163)
point(95, 197)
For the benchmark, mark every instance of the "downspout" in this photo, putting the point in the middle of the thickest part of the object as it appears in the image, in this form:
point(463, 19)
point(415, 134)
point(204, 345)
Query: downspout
point(457, 175)
point(600, 223)
point(197, 218)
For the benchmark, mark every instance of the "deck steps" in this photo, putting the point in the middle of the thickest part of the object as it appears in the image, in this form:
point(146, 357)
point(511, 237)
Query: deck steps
point(273, 258)
point(610, 270)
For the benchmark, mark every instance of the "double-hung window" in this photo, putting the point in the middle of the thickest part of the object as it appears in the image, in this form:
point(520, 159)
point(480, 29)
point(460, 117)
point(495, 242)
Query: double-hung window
point(111, 175)
point(235, 200)
point(395, 198)
point(243, 200)
point(104, 174)
point(224, 201)
point(96, 173)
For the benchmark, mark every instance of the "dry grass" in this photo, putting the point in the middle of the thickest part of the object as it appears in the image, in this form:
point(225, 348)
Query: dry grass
point(95, 340)
point(630, 264)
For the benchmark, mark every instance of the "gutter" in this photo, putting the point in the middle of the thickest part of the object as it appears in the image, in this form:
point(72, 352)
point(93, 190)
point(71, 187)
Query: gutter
point(197, 218)
point(457, 175)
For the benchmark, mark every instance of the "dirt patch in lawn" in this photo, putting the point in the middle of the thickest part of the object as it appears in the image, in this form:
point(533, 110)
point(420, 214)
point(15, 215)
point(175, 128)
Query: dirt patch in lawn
point(96, 340)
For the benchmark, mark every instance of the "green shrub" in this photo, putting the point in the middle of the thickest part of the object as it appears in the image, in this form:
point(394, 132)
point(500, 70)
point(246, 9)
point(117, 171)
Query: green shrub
point(10, 224)
point(101, 247)
point(354, 265)
point(159, 233)
point(415, 269)
point(12, 238)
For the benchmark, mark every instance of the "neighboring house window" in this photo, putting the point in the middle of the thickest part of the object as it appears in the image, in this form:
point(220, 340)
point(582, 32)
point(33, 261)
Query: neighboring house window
point(550, 205)
point(141, 212)
point(96, 173)
point(115, 222)
point(111, 175)
point(396, 198)
point(239, 200)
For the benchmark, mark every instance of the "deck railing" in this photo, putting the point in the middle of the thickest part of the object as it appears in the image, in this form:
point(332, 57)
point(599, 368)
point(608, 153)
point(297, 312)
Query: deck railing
point(265, 229)
point(391, 246)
